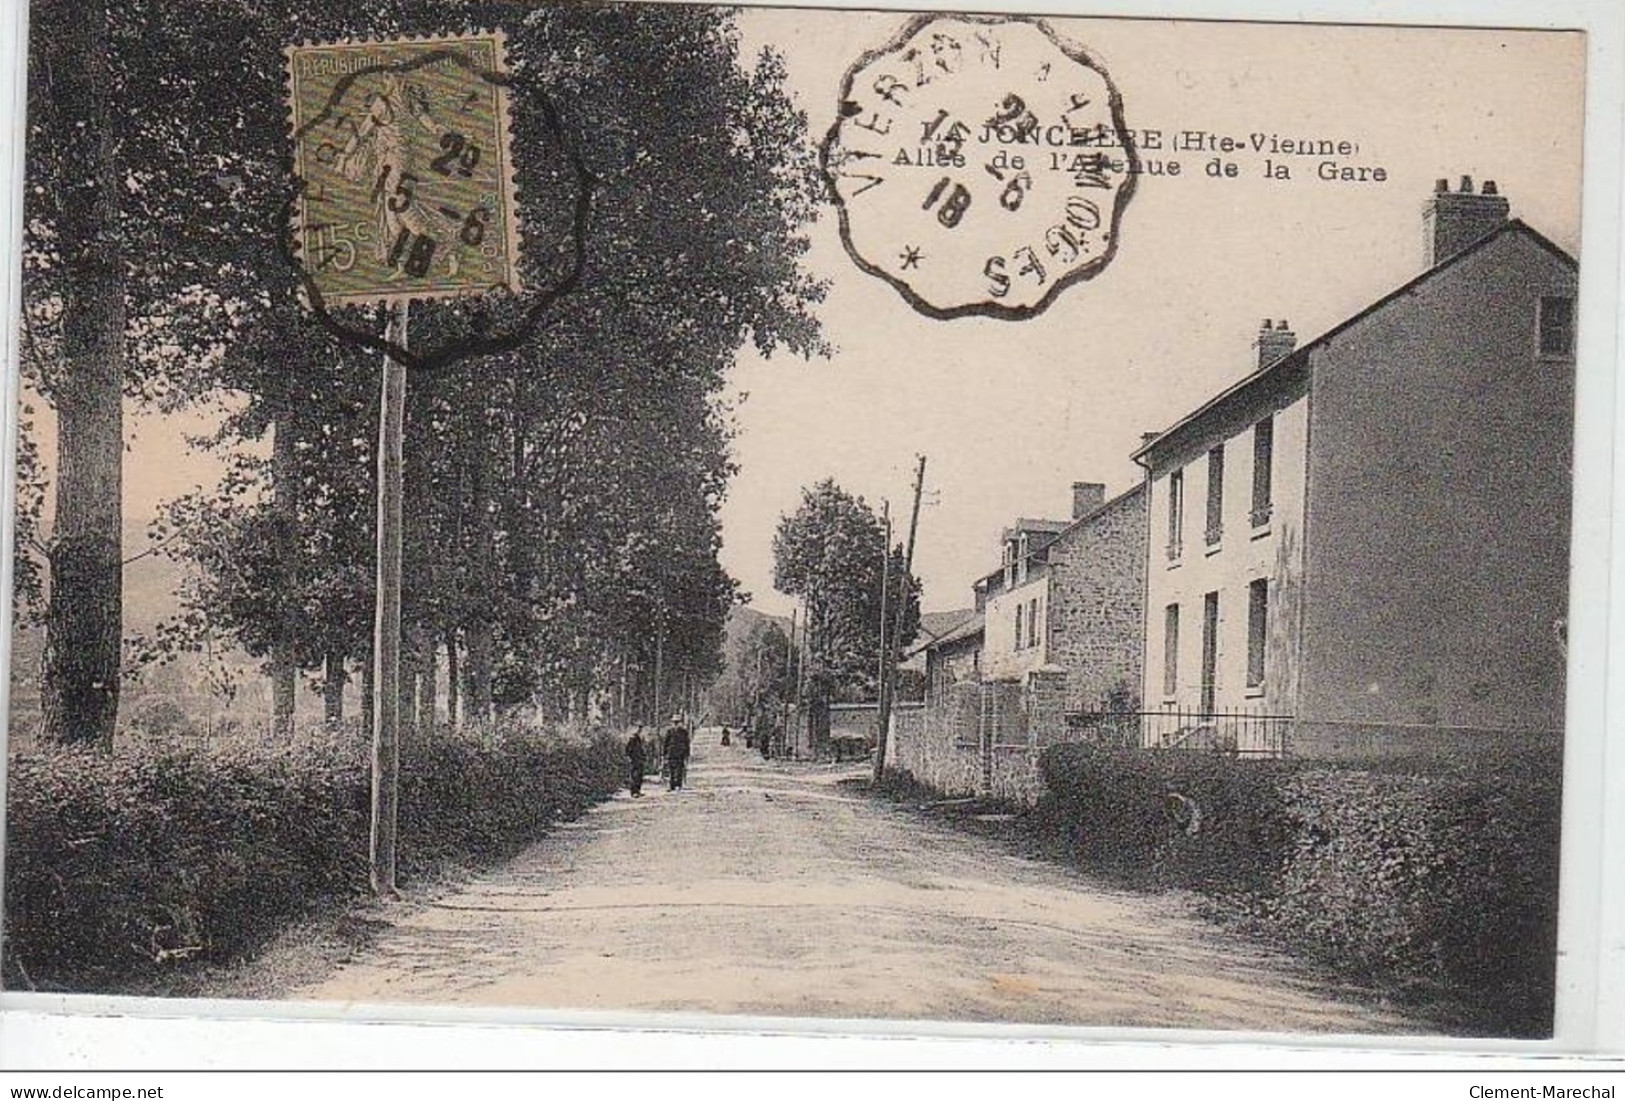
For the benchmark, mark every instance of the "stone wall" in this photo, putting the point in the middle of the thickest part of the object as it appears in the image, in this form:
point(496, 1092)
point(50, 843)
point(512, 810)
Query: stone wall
point(1096, 616)
point(980, 738)
point(924, 745)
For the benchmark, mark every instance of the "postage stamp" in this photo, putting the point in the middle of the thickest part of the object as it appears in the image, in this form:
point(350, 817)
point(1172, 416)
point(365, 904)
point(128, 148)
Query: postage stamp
point(401, 152)
point(980, 165)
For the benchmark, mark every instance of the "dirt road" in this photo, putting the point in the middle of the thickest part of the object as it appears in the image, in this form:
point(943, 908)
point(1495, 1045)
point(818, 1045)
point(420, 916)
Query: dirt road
point(768, 889)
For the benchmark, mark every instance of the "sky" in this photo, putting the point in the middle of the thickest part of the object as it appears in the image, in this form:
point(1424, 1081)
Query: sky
point(1010, 413)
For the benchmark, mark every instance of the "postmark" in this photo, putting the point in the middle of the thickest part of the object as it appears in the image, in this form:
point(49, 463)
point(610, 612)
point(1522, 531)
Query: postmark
point(980, 165)
point(404, 167)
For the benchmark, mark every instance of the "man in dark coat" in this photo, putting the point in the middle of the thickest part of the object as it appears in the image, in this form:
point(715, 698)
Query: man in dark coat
point(637, 760)
point(675, 745)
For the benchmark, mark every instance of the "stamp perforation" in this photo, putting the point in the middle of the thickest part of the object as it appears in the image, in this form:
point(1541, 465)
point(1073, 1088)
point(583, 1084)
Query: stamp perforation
point(506, 192)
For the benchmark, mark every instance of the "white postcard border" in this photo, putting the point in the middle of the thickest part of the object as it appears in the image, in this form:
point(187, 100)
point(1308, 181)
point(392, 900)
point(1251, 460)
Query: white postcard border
point(55, 1031)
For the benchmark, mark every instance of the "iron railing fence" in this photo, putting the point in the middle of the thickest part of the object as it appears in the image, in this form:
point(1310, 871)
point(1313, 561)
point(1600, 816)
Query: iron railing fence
point(1232, 733)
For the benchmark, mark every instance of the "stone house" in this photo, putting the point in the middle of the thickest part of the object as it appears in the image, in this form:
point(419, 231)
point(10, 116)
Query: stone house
point(1069, 599)
point(1363, 545)
point(1055, 629)
point(953, 657)
point(1096, 605)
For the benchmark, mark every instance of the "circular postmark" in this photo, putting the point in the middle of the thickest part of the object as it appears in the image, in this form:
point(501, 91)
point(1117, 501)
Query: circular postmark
point(980, 165)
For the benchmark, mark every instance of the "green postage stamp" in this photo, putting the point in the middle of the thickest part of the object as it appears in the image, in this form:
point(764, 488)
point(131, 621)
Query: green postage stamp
point(401, 152)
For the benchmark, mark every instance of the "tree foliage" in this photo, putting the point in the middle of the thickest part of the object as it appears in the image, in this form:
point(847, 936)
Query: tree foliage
point(831, 553)
point(562, 499)
point(760, 676)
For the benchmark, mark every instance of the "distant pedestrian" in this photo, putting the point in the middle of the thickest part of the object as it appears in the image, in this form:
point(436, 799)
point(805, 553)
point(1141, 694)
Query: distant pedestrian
point(725, 739)
point(764, 741)
point(637, 760)
point(675, 747)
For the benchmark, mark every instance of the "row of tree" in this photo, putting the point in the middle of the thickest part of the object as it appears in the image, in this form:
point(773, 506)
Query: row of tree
point(836, 554)
point(562, 536)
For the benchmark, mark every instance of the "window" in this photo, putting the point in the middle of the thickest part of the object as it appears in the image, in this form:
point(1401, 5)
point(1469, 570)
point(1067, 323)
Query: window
point(1263, 450)
point(1170, 651)
point(1176, 512)
point(1210, 653)
point(1020, 619)
point(1032, 622)
point(1258, 611)
point(1556, 324)
point(1215, 495)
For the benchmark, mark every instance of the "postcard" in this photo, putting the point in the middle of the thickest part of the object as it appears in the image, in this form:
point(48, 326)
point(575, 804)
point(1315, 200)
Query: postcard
point(798, 514)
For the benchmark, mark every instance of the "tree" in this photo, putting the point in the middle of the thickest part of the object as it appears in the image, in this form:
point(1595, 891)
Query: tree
point(831, 553)
point(72, 95)
point(563, 497)
point(27, 581)
point(759, 680)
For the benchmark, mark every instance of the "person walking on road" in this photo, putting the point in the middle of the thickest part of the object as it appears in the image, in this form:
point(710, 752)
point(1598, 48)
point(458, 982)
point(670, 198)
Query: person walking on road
point(675, 746)
point(637, 760)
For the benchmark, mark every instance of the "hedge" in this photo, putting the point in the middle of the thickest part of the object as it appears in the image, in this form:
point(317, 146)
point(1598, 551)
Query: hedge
point(119, 866)
point(1430, 876)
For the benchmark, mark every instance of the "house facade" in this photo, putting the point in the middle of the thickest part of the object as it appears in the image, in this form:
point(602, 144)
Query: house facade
point(1095, 571)
point(1015, 601)
point(1363, 546)
point(1055, 632)
point(955, 657)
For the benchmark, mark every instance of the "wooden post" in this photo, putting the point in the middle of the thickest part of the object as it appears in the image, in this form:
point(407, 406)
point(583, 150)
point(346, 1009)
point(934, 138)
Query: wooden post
point(386, 643)
point(897, 618)
point(792, 670)
point(883, 676)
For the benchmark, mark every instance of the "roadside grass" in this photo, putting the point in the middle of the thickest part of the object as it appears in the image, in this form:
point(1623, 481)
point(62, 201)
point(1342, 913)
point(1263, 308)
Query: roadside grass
point(127, 871)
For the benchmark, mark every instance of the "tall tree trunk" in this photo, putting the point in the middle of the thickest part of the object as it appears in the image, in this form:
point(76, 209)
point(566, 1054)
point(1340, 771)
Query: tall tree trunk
point(452, 673)
point(479, 632)
point(481, 656)
point(284, 672)
point(428, 677)
point(407, 689)
point(333, 681)
point(83, 621)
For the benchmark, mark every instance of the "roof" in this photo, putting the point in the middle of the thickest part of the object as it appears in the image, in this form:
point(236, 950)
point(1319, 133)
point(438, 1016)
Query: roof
point(969, 627)
point(1299, 356)
point(1029, 524)
point(933, 625)
point(1040, 552)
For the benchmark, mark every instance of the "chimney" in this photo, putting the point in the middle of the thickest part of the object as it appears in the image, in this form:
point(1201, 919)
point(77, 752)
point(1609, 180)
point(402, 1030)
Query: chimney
point(1086, 497)
point(1452, 220)
point(1275, 342)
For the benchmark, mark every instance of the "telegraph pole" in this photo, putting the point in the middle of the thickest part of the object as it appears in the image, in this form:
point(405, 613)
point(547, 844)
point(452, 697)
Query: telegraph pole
point(881, 679)
point(792, 674)
point(386, 638)
point(897, 623)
